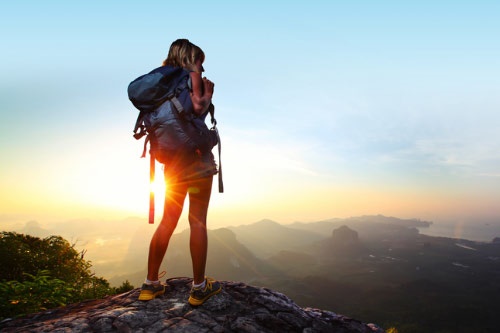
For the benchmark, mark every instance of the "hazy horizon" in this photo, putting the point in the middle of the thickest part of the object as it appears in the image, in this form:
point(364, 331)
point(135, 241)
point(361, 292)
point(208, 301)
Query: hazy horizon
point(95, 232)
point(9, 224)
point(109, 245)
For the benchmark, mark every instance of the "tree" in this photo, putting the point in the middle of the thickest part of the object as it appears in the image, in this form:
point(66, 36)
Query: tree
point(23, 254)
point(126, 286)
point(40, 273)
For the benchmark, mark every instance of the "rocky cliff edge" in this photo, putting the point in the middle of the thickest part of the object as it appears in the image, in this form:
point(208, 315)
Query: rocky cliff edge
point(238, 308)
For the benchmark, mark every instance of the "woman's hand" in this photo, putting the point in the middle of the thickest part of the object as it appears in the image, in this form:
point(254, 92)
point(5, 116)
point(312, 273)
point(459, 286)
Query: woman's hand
point(208, 87)
point(202, 92)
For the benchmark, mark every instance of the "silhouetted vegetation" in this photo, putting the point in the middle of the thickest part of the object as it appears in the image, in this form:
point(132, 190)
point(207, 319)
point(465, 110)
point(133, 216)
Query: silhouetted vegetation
point(39, 274)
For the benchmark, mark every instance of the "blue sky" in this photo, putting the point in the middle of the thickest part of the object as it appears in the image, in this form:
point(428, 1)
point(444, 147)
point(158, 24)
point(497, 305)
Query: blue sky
point(326, 108)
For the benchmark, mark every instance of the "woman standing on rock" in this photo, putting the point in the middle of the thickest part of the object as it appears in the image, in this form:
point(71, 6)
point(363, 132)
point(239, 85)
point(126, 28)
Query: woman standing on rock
point(186, 178)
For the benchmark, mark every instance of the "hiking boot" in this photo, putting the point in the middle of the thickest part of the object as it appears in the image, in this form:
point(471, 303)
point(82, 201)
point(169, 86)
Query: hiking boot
point(199, 295)
point(150, 291)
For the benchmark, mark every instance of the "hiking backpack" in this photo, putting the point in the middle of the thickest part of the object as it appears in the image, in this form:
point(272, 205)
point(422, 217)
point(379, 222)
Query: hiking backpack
point(168, 121)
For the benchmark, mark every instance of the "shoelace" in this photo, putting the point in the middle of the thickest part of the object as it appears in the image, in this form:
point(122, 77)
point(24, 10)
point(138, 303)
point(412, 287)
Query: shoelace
point(209, 284)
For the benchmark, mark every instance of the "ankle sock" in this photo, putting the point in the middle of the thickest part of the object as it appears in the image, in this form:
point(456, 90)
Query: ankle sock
point(151, 282)
point(160, 275)
point(201, 285)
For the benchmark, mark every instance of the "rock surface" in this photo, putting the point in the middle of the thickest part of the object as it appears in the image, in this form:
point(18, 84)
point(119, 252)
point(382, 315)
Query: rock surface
point(238, 308)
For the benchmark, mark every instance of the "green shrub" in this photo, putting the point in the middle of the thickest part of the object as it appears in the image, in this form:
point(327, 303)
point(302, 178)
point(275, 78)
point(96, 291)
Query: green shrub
point(126, 286)
point(44, 273)
point(36, 293)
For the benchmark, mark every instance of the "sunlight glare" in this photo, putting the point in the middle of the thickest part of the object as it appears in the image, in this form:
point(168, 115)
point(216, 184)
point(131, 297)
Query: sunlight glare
point(158, 186)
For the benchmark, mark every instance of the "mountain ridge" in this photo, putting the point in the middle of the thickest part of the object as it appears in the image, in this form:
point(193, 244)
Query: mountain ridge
point(266, 237)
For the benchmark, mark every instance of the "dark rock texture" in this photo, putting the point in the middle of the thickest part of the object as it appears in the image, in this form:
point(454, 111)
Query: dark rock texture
point(238, 308)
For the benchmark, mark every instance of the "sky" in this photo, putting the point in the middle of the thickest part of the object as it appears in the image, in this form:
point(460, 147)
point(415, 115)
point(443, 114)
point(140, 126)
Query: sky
point(325, 108)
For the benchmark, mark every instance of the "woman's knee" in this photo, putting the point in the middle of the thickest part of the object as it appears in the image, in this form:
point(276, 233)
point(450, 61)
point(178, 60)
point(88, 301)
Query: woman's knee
point(168, 224)
point(197, 220)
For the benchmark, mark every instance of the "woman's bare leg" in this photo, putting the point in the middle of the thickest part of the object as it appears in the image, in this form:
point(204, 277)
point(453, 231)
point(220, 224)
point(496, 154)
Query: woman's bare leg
point(174, 201)
point(199, 198)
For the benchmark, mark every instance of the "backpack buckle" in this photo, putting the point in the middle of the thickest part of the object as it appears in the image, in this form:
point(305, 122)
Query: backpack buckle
point(141, 133)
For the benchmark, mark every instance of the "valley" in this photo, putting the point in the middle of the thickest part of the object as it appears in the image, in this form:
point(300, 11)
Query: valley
point(373, 268)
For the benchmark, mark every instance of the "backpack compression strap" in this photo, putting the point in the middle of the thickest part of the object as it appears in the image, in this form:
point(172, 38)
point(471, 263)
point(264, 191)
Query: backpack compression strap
point(151, 189)
point(214, 127)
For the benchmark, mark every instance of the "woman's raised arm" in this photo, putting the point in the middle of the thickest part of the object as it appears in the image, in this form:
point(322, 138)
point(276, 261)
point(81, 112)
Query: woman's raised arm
point(202, 92)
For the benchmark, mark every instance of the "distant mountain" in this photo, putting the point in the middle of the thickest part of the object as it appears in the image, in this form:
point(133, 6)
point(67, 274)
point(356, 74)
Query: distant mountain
point(34, 228)
point(369, 227)
point(323, 228)
point(320, 257)
point(227, 259)
point(344, 242)
point(266, 238)
point(389, 220)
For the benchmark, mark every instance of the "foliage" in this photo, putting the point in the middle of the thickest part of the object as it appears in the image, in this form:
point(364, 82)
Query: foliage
point(126, 286)
point(35, 293)
point(28, 254)
point(45, 273)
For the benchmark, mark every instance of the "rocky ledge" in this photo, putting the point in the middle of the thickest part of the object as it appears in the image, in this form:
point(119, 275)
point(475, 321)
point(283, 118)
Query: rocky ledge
point(238, 308)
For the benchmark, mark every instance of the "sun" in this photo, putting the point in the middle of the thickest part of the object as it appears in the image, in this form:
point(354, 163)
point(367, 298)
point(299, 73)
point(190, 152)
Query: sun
point(158, 185)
